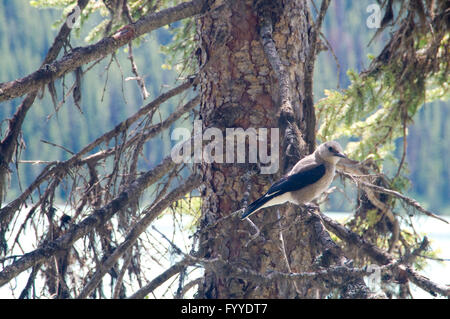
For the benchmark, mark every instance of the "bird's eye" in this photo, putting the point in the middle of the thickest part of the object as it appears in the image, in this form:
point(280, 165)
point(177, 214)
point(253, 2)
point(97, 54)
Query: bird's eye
point(330, 149)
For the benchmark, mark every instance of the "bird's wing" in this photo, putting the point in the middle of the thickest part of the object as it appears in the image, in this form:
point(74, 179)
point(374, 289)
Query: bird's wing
point(308, 175)
point(306, 163)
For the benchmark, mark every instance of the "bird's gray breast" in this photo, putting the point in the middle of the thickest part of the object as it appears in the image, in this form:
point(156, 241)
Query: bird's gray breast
point(309, 193)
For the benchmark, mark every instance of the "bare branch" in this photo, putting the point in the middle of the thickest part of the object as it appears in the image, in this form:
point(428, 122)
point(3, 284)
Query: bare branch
point(59, 146)
point(294, 146)
point(382, 257)
point(221, 266)
point(62, 167)
point(425, 283)
point(377, 254)
point(321, 16)
point(280, 72)
point(98, 217)
point(108, 45)
point(315, 36)
point(119, 280)
point(162, 278)
point(149, 215)
point(137, 77)
point(355, 177)
point(9, 144)
point(407, 200)
point(329, 273)
point(333, 254)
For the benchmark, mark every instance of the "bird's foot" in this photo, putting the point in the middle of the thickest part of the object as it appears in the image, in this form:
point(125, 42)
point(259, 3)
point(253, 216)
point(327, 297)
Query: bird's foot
point(311, 206)
point(255, 235)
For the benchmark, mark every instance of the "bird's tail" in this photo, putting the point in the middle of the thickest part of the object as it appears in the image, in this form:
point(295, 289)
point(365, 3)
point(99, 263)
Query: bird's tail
point(255, 206)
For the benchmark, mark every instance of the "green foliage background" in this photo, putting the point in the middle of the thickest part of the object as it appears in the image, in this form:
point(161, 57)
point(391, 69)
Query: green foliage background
point(26, 33)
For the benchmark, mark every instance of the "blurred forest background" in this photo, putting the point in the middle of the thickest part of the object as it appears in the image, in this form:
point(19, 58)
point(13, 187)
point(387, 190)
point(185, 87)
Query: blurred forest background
point(27, 32)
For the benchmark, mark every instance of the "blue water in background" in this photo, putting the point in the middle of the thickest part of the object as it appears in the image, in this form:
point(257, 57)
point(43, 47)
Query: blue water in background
point(438, 234)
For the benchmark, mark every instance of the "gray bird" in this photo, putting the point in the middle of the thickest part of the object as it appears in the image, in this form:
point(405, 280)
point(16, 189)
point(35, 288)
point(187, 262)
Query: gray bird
point(309, 178)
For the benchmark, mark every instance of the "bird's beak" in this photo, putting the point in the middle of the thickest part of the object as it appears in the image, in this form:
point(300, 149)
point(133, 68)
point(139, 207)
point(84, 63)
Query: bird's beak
point(341, 155)
point(348, 162)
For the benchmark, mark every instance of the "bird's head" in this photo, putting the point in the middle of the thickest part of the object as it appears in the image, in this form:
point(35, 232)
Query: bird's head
point(331, 152)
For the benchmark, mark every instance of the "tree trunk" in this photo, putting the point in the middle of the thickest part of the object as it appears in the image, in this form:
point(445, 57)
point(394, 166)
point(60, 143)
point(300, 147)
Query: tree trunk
point(240, 89)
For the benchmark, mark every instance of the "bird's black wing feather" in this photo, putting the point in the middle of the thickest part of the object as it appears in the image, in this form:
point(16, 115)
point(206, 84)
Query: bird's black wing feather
point(286, 184)
point(297, 181)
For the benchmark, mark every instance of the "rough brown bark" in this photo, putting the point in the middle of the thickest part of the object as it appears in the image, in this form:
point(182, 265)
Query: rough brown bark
point(241, 89)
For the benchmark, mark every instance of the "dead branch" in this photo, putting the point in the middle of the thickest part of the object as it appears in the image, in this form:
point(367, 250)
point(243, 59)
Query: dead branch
point(55, 168)
point(117, 288)
point(9, 144)
point(137, 77)
point(329, 273)
point(333, 254)
point(59, 146)
point(406, 199)
point(221, 266)
point(382, 257)
point(149, 215)
point(98, 217)
point(315, 36)
point(108, 45)
point(384, 208)
point(274, 59)
point(160, 279)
